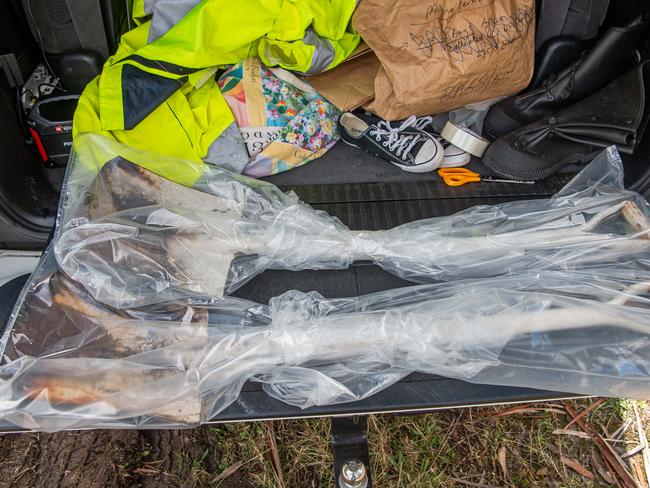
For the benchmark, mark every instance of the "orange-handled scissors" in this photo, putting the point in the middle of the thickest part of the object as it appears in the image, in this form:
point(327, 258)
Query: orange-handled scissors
point(460, 176)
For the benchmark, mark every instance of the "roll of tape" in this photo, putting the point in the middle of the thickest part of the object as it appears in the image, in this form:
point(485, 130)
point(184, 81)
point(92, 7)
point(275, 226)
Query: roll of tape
point(465, 139)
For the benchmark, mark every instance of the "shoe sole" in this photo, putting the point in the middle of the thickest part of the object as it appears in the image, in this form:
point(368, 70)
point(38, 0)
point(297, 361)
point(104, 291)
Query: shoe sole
point(455, 161)
point(532, 174)
point(420, 168)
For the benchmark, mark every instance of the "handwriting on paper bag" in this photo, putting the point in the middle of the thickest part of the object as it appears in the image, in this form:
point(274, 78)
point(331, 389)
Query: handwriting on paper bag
point(465, 39)
point(447, 11)
point(476, 85)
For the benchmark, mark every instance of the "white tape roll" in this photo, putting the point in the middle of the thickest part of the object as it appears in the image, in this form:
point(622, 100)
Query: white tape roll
point(465, 139)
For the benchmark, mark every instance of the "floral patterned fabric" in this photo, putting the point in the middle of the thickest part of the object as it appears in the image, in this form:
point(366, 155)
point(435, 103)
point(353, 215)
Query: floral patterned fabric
point(283, 125)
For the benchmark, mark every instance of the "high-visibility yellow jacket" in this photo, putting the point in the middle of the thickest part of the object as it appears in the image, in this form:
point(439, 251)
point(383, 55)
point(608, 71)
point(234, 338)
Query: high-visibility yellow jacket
point(162, 95)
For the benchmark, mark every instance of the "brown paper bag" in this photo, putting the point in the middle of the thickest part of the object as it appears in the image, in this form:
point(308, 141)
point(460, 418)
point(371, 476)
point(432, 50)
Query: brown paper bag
point(440, 55)
point(349, 85)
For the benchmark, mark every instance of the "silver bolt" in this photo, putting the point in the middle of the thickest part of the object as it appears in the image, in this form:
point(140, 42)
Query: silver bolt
point(353, 474)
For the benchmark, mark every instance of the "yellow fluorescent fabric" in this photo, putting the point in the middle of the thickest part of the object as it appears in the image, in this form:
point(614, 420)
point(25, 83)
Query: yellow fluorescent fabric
point(92, 151)
point(183, 126)
point(165, 91)
point(299, 56)
point(137, 12)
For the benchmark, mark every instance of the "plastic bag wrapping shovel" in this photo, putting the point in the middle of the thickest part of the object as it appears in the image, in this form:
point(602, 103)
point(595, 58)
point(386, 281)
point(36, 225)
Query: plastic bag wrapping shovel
point(123, 336)
point(568, 331)
point(131, 247)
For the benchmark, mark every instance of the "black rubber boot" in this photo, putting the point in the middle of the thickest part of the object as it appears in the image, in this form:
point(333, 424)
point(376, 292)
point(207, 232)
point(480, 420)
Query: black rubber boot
point(612, 56)
point(614, 115)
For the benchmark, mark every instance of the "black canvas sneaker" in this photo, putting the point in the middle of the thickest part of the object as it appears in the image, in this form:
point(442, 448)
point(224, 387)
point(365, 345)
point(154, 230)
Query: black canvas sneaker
point(452, 157)
point(407, 147)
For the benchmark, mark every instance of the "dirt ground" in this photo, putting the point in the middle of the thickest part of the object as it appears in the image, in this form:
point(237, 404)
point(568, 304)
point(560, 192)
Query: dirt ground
point(514, 446)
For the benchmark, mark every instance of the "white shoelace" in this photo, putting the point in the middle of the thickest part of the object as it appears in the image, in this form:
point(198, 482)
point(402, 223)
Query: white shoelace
point(419, 122)
point(400, 143)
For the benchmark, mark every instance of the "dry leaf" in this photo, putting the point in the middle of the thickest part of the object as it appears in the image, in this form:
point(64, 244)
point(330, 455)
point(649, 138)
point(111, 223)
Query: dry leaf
point(502, 460)
point(638, 471)
point(228, 471)
point(577, 467)
point(145, 471)
point(602, 470)
point(542, 471)
point(515, 411)
point(575, 433)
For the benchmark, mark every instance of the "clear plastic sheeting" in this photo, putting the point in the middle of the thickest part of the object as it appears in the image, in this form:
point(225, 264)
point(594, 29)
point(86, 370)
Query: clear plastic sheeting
point(580, 334)
point(133, 239)
point(125, 322)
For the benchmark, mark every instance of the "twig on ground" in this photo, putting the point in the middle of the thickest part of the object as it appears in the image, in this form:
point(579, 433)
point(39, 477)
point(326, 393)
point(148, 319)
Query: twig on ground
point(620, 431)
point(601, 469)
point(558, 450)
point(228, 471)
point(632, 452)
point(526, 408)
point(574, 433)
point(644, 443)
point(612, 459)
point(275, 455)
point(582, 414)
point(146, 471)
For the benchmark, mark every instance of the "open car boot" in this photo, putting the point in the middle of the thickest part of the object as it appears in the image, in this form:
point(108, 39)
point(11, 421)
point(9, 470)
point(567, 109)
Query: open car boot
point(132, 318)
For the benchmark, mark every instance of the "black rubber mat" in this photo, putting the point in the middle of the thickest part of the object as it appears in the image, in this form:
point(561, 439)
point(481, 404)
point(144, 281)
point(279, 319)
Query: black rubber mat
point(346, 174)
point(417, 393)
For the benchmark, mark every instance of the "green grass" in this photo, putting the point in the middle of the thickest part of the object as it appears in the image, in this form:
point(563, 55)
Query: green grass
point(427, 450)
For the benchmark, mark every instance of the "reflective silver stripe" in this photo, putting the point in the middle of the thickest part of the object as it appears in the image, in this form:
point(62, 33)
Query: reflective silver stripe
point(166, 14)
point(149, 5)
point(323, 52)
point(228, 150)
